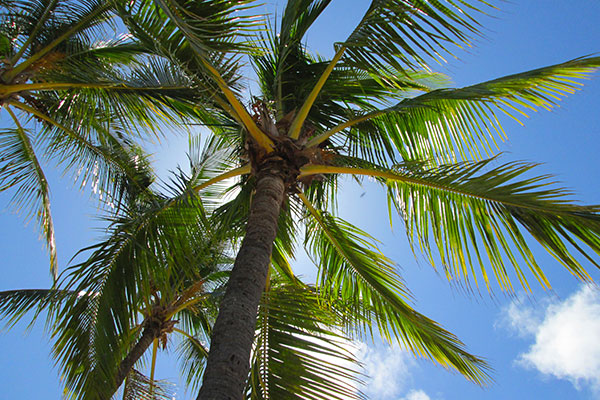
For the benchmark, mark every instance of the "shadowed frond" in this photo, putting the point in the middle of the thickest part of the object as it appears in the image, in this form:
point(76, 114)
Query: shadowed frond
point(285, 242)
point(15, 304)
point(297, 354)
point(192, 356)
point(158, 260)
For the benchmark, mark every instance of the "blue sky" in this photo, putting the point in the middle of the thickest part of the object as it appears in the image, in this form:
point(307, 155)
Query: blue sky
point(540, 346)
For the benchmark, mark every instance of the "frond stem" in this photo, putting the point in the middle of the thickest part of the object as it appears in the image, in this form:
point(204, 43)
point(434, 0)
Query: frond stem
point(184, 333)
point(245, 169)
point(10, 89)
point(296, 126)
point(153, 366)
point(185, 305)
point(327, 134)
point(258, 135)
point(329, 169)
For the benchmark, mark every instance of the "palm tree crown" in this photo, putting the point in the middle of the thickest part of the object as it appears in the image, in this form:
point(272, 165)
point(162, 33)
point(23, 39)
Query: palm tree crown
point(373, 110)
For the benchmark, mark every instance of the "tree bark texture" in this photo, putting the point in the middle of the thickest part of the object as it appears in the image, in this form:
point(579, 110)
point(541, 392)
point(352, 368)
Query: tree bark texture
point(150, 333)
point(228, 362)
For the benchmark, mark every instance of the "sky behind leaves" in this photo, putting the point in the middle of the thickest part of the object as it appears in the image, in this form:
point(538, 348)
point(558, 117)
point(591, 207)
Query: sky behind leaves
point(513, 334)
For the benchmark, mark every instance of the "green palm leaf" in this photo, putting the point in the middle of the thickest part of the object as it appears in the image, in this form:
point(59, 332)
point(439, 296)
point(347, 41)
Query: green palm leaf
point(15, 304)
point(65, 21)
point(297, 356)
point(192, 356)
point(402, 33)
point(352, 270)
point(474, 209)
point(157, 261)
point(20, 169)
point(140, 387)
point(446, 124)
point(469, 209)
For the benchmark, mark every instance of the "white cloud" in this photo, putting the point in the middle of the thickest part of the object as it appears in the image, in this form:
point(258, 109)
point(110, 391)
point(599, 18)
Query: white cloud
point(416, 395)
point(522, 319)
point(567, 343)
point(388, 371)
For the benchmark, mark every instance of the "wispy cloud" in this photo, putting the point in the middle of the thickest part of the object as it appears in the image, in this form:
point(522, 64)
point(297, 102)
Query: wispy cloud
point(416, 395)
point(388, 371)
point(566, 337)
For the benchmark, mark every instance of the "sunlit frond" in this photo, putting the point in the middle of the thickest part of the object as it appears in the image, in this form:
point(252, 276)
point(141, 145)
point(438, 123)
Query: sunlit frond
point(444, 125)
point(140, 387)
point(402, 33)
point(470, 209)
point(464, 208)
point(353, 271)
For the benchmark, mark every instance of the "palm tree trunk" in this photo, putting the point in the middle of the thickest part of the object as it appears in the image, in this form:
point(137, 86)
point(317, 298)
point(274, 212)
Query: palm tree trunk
point(233, 333)
point(150, 333)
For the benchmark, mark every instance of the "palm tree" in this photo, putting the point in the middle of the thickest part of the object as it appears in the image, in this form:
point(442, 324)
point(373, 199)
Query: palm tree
point(72, 89)
point(157, 267)
point(372, 110)
point(159, 274)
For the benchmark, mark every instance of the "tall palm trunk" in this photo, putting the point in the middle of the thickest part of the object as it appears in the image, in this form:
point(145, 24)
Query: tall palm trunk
point(233, 334)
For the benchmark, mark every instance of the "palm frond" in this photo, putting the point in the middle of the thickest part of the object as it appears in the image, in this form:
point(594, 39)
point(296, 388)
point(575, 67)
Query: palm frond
point(297, 17)
point(474, 208)
point(15, 304)
point(187, 33)
point(192, 355)
point(140, 387)
point(401, 34)
point(298, 355)
point(156, 248)
point(446, 124)
point(69, 20)
point(352, 270)
point(103, 162)
point(202, 34)
point(143, 98)
point(469, 209)
point(284, 246)
point(20, 168)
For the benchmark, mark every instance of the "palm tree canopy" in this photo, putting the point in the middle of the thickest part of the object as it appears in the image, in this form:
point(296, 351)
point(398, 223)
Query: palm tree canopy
point(374, 109)
point(73, 89)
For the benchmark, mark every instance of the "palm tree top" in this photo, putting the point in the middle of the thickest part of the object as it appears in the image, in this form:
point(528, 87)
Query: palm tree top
point(374, 109)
